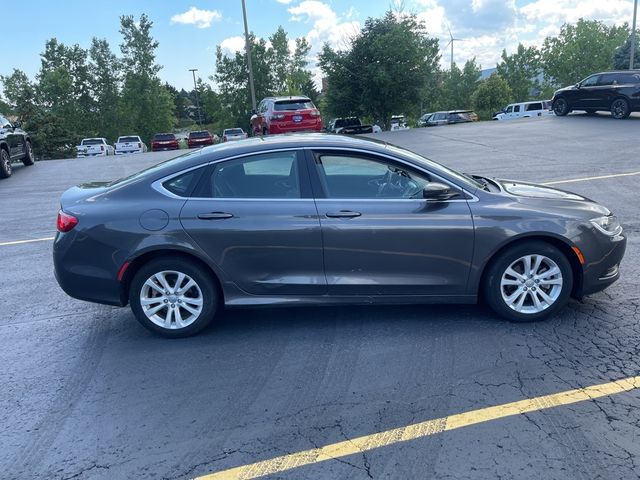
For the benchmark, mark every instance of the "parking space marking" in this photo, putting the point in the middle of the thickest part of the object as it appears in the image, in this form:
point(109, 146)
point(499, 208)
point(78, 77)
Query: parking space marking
point(19, 242)
point(586, 179)
point(421, 430)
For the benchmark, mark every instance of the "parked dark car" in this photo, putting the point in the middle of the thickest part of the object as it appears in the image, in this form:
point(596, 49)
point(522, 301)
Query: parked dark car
point(289, 114)
point(201, 138)
point(320, 219)
point(450, 117)
point(15, 144)
point(164, 141)
point(617, 92)
point(348, 126)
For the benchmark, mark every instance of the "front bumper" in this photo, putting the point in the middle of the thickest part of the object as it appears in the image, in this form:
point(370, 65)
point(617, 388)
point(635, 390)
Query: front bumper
point(603, 256)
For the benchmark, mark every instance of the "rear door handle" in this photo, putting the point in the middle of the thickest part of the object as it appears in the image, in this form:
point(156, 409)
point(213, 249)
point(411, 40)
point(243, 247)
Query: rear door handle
point(343, 214)
point(214, 216)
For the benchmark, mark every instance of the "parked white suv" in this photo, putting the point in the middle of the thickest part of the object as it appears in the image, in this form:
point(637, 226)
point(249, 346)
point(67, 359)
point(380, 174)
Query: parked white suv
point(94, 147)
point(538, 108)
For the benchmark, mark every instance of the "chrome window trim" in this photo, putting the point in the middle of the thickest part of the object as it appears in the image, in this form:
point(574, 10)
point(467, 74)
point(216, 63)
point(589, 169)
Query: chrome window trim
point(159, 187)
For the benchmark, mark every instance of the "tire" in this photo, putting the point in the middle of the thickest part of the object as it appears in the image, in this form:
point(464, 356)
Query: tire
point(514, 300)
point(5, 164)
point(265, 131)
point(28, 158)
point(201, 298)
point(620, 109)
point(561, 107)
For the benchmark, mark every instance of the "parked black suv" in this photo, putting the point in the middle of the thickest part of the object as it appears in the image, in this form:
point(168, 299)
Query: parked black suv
point(15, 144)
point(617, 92)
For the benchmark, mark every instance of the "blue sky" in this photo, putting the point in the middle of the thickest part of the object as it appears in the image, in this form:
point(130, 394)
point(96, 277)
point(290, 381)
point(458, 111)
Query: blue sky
point(190, 30)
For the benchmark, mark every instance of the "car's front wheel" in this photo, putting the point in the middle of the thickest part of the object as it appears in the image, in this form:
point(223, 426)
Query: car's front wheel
point(5, 163)
point(561, 107)
point(173, 297)
point(528, 282)
point(620, 109)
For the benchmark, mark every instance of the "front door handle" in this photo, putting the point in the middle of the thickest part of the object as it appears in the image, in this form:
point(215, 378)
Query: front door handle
point(343, 214)
point(214, 216)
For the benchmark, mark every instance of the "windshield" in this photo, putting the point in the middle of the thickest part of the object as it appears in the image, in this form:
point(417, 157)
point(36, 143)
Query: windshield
point(92, 141)
point(234, 131)
point(463, 180)
point(164, 136)
point(285, 105)
point(202, 134)
point(128, 139)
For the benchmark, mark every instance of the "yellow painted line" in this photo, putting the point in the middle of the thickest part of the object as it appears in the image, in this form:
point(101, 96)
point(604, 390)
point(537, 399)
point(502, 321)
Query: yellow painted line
point(421, 430)
point(19, 242)
point(586, 179)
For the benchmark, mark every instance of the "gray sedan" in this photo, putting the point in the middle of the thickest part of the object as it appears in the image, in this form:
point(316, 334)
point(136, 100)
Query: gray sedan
point(318, 219)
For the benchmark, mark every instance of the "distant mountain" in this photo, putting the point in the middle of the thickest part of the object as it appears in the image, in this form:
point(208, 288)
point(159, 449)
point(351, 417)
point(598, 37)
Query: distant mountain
point(486, 73)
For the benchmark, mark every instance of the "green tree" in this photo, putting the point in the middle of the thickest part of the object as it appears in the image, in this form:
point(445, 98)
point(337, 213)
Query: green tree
point(623, 54)
point(521, 71)
point(280, 61)
point(459, 85)
point(490, 96)
point(146, 106)
point(385, 70)
point(580, 50)
point(104, 68)
point(20, 93)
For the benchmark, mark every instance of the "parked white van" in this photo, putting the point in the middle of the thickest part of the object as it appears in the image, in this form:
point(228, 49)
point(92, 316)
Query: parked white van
point(538, 108)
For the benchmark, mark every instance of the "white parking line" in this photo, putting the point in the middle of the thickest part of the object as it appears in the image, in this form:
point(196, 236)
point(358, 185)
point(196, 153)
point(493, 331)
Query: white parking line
point(586, 179)
point(18, 242)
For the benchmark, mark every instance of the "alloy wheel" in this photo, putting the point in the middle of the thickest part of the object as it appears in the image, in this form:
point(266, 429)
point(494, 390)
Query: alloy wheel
point(531, 284)
point(171, 299)
point(560, 107)
point(619, 108)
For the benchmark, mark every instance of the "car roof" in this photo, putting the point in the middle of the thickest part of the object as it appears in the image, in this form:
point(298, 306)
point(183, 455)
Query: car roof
point(637, 71)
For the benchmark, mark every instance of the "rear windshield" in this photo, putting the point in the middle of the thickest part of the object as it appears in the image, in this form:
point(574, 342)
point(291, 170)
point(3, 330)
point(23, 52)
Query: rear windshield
point(164, 136)
point(92, 141)
point(202, 134)
point(286, 105)
point(533, 107)
point(233, 131)
point(128, 139)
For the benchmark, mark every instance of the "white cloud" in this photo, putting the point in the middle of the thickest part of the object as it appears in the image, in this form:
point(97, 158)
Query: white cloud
point(326, 25)
point(284, 2)
point(232, 45)
point(197, 17)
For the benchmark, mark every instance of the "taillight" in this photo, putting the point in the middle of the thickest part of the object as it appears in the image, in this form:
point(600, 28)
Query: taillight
point(102, 147)
point(66, 222)
point(224, 139)
point(314, 113)
point(278, 116)
point(139, 145)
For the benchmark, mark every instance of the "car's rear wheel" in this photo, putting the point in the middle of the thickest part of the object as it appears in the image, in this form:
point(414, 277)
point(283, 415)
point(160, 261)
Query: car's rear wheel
point(620, 109)
point(173, 297)
point(5, 164)
point(529, 281)
point(561, 107)
point(28, 157)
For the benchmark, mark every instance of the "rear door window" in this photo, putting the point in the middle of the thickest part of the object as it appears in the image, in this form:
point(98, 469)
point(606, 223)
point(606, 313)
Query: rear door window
point(533, 107)
point(269, 175)
point(516, 109)
point(183, 185)
point(607, 79)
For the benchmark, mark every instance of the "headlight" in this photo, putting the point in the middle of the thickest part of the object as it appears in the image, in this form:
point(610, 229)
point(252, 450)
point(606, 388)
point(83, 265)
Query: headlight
point(608, 225)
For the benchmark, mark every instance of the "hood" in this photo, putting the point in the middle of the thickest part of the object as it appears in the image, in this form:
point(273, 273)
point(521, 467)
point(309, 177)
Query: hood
point(83, 192)
point(565, 89)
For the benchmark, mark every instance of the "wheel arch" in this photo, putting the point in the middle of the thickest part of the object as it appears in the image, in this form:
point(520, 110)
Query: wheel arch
point(136, 263)
point(561, 244)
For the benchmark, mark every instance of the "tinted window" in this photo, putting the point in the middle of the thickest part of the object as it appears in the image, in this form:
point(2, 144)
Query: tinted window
point(516, 108)
point(509, 109)
point(128, 139)
point(590, 81)
point(626, 78)
point(440, 116)
point(234, 131)
point(182, 185)
point(270, 175)
point(285, 105)
point(345, 176)
point(607, 79)
point(164, 136)
point(203, 134)
point(92, 141)
point(533, 106)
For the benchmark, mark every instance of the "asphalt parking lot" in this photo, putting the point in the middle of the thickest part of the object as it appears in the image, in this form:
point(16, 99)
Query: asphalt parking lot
point(89, 393)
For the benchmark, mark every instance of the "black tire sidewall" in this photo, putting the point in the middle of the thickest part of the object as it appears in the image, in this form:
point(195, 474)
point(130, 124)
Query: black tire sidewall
point(627, 111)
point(5, 164)
point(202, 277)
point(565, 111)
point(28, 157)
point(491, 287)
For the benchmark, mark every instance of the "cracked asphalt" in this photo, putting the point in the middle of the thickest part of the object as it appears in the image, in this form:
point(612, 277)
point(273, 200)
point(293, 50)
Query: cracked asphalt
point(86, 392)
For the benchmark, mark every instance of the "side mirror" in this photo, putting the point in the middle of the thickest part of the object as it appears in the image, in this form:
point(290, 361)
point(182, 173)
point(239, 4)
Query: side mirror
point(577, 85)
point(437, 191)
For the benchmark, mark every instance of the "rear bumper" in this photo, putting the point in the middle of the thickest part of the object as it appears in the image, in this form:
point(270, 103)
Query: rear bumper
point(598, 274)
point(160, 148)
point(276, 128)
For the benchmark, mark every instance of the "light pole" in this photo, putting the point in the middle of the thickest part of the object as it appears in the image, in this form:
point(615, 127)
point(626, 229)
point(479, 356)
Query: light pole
point(195, 87)
point(248, 52)
point(633, 37)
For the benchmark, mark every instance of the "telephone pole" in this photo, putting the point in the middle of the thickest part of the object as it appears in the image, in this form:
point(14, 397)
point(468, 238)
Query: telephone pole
point(633, 37)
point(195, 87)
point(248, 52)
